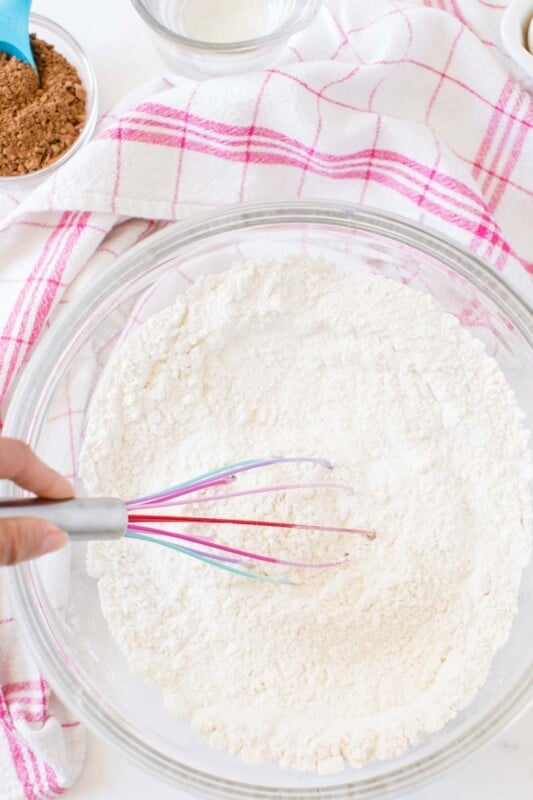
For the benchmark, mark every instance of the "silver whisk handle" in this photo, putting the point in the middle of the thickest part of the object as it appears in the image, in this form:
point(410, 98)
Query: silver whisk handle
point(83, 518)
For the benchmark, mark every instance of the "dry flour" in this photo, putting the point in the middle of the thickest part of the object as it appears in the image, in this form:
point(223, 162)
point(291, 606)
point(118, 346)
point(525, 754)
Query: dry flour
point(359, 662)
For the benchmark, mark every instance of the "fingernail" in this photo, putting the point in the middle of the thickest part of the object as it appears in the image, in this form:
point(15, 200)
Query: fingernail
point(53, 539)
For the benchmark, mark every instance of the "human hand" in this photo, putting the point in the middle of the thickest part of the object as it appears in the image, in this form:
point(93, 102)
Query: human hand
point(27, 537)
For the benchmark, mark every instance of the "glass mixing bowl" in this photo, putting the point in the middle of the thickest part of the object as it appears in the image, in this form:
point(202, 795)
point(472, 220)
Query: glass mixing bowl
point(48, 409)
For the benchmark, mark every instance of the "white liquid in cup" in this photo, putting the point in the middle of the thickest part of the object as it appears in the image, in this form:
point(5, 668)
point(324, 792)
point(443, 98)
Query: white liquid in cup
point(224, 21)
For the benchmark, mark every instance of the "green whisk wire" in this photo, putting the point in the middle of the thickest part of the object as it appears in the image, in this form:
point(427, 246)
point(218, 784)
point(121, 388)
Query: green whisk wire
point(205, 476)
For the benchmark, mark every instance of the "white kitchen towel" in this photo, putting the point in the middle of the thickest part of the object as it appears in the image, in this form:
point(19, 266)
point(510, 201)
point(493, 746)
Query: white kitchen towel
point(41, 745)
point(406, 106)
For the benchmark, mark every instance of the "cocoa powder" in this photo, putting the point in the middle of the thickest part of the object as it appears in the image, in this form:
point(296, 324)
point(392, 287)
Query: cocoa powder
point(40, 116)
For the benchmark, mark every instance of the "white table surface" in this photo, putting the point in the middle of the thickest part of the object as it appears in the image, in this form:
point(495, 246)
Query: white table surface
point(122, 54)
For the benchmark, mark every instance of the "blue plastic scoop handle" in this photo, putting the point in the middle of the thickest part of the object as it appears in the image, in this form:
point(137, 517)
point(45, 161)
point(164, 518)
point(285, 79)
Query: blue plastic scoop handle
point(14, 29)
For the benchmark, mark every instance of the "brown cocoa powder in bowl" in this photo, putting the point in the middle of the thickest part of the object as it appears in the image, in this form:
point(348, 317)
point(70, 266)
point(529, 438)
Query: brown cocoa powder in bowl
point(40, 116)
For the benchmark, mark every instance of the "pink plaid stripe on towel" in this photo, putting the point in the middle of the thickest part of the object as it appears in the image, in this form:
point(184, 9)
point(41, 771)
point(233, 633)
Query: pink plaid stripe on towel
point(407, 106)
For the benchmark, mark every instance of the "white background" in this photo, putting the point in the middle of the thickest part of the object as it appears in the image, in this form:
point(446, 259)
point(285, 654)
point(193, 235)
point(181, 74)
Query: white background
point(120, 49)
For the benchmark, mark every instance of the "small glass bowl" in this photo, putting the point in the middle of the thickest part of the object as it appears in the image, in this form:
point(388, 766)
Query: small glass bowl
point(253, 33)
point(65, 44)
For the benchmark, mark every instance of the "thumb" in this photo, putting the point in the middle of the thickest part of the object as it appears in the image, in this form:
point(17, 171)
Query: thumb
point(22, 538)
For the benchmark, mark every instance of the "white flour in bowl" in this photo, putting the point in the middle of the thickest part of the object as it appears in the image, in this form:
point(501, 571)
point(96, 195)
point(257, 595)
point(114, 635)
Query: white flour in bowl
point(354, 663)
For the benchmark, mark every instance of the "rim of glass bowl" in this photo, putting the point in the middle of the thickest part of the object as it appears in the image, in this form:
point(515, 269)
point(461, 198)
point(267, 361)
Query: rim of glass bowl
point(88, 79)
point(129, 273)
point(244, 46)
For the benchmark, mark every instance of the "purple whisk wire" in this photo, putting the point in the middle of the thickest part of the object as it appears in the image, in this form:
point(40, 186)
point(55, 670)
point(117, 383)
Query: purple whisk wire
point(343, 487)
point(229, 472)
point(168, 494)
point(234, 550)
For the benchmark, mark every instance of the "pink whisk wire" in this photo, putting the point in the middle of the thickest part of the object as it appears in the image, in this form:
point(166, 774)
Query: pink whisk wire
point(234, 550)
point(282, 487)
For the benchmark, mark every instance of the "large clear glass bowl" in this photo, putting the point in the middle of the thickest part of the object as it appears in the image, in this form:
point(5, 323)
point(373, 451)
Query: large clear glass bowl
point(49, 406)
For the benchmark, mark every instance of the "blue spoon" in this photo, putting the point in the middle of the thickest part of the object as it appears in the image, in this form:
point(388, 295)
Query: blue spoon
point(14, 30)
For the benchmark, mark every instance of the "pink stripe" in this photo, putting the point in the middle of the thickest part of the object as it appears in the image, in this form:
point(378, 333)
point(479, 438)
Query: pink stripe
point(20, 686)
point(376, 21)
point(235, 131)
point(429, 181)
point(457, 11)
point(33, 279)
point(494, 122)
point(147, 229)
point(511, 162)
point(371, 160)
point(47, 299)
point(488, 171)
point(266, 158)
point(25, 715)
point(118, 160)
point(311, 154)
point(451, 79)
point(344, 39)
point(503, 141)
point(9, 329)
point(250, 133)
point(26, 223)
point(24, 699)
point(274, 140)
point(44, 694)
point(17, 756)
point(286, 76)
point(342, 33)
point(28, 303)
point(31, 757)
point(296, 52)
point(340, 171)
point(442, 75)
point(182, 150)
point(312, 150)
point(49, 785)
point(108, 250)
point(53, 781)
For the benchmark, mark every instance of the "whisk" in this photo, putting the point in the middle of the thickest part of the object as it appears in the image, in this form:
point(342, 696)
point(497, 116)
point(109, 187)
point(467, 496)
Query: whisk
point(111, 518)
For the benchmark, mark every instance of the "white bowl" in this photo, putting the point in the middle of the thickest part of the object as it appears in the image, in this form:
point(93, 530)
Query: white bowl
point(516, 27)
